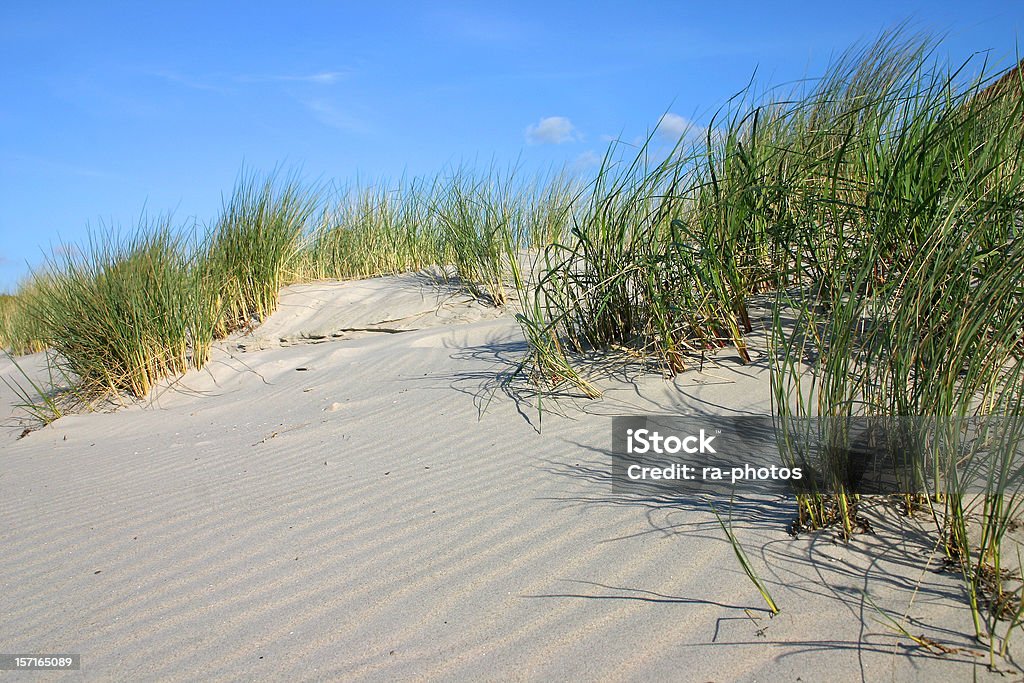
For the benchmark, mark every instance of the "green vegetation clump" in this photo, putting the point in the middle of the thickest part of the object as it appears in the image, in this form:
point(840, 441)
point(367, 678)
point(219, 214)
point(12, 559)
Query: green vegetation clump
point(117, 315)
point(878, 211)
point(375, 231)
point(20, 331)
point(252, 251)
point(8, 309)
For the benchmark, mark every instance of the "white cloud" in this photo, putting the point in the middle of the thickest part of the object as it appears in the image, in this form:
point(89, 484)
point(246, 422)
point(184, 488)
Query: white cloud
point(675, 126)
point(551, 130)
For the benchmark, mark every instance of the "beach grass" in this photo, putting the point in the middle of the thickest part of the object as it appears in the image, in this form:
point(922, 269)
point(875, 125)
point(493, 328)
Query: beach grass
point(745, 563)
point(20, 331)
point(8, 309)
point(375, 230)
point(479, 217)
point(878, 209)
point(115, 314)
point(252, 250)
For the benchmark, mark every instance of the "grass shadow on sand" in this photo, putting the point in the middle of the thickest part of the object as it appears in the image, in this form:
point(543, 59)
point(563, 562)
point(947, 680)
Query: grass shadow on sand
point(896, 568)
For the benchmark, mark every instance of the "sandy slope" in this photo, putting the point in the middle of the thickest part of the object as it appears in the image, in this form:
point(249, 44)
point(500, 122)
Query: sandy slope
point(376, 506)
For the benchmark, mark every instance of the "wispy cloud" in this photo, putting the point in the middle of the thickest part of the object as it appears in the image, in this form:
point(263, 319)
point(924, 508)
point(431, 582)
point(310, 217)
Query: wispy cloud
point(551, 130)
point(334, 116)
point(484, 27)
point(186, 81)
point(223, 82)
point(65, 250)
point(587, 159)
point(324, 77)
point(319, 78)
point(56, 166)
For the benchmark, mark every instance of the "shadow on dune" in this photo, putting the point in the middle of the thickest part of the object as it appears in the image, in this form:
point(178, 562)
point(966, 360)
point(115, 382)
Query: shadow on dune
point(638, 594)
point(895, 572)
point(500, 371)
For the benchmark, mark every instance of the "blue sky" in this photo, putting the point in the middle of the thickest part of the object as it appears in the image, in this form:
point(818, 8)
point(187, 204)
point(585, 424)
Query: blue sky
point(109, 108)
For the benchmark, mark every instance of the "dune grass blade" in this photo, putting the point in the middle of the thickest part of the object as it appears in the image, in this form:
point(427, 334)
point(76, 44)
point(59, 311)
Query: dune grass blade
point(744, 561)
point(40, 401)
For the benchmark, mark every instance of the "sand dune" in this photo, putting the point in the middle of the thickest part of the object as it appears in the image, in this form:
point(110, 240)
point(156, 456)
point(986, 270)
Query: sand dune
point(376, 506)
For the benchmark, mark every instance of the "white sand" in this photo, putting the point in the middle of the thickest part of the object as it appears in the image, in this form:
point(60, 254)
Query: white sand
point(367, 518)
